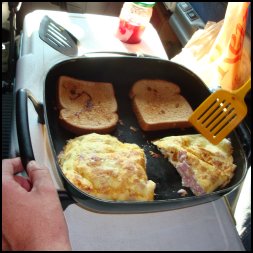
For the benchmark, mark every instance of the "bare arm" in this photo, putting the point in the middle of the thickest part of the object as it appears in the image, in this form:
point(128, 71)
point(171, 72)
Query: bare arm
point(32, 216)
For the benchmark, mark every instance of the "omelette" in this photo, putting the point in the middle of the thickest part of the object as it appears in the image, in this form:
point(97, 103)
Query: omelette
point(104, 167)
point(203, 167)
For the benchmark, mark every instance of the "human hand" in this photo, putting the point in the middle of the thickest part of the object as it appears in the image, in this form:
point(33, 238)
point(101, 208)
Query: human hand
point(32, 216)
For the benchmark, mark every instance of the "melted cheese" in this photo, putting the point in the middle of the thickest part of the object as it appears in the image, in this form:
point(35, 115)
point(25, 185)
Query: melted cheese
point(104, 167)
point(203, 166)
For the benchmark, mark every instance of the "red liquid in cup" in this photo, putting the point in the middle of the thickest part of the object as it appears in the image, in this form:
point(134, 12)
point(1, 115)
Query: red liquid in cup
point(129, 33)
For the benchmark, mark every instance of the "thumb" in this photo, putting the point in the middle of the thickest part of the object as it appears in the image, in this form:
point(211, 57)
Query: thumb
point(39, 176)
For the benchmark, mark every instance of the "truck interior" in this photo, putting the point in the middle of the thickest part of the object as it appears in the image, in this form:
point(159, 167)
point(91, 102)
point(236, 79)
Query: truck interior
point(166, 18)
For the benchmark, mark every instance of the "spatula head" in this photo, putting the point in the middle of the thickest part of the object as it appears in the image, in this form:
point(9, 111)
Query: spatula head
point(58, 37)
point(218, 115)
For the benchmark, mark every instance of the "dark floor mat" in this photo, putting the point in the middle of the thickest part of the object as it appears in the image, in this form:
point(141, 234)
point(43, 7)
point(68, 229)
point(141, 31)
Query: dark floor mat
point(7, 108)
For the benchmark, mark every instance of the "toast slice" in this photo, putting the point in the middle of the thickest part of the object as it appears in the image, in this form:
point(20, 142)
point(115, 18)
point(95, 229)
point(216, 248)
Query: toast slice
point(158, 105)
point(86, 106)
point(202, 166)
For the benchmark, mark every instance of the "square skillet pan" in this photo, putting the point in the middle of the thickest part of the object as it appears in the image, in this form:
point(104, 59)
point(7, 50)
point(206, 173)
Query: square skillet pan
point(122, 72)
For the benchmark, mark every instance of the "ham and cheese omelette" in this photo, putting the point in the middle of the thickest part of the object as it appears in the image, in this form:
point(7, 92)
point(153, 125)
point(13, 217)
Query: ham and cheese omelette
point(203, 166)
point(106, 168)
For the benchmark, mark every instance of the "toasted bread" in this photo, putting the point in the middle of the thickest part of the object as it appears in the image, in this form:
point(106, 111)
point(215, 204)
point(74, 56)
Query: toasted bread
point(158, 105)
point(86, 106)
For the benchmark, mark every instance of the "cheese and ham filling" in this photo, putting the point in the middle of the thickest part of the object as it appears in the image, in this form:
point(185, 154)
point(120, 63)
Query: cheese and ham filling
point(203, 167)
point(187, 174)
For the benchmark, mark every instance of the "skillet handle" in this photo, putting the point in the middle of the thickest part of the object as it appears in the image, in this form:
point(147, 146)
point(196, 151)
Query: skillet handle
point(23, 132)
point(244, 133)
point(65, 199)
point(123, 54)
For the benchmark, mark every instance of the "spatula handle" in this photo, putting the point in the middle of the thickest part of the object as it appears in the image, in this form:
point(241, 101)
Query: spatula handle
point(242, 91)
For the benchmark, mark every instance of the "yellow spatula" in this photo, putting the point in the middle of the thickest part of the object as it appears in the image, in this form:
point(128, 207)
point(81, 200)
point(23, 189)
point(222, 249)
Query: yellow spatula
point(220, 113)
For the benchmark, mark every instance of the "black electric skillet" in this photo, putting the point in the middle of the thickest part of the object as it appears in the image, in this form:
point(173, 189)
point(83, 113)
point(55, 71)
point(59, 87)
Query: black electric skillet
point(122, 72)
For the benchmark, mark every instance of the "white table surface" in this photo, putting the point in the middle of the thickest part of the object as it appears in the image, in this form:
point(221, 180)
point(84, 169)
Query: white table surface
point(204, 227)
